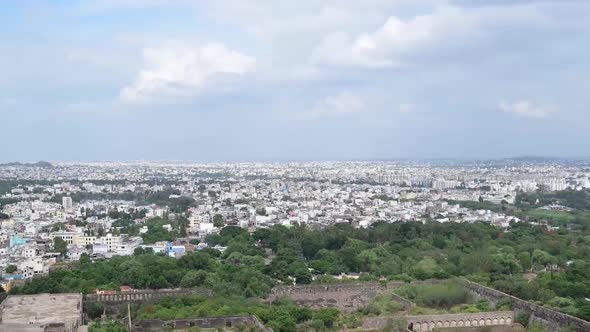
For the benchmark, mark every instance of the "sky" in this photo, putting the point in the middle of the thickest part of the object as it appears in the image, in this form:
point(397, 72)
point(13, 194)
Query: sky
point(234, 80)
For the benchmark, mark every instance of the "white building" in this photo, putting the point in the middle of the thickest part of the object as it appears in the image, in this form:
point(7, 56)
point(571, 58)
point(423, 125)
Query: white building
point(110, 241)
point(66, 202)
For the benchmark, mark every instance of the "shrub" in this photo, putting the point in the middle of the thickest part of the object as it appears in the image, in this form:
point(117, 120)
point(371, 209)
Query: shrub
point(523, 318)
point(442, 296)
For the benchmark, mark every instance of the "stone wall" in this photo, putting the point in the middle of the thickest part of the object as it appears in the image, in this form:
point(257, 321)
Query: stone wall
point(345, 296)
point(423, 323)
point(203, 322)
point(145, 295)
point(333, 288)
point(554, 320)
point(405, 302)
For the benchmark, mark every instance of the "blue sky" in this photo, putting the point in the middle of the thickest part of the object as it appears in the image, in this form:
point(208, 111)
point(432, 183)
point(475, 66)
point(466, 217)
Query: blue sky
point(293, 80)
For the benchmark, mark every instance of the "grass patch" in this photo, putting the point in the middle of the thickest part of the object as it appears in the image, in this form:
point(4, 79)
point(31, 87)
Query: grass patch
point(559, 216)
point(382, 304)
point(444, 295)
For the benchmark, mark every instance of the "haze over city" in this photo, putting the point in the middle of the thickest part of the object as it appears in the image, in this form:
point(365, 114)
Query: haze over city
point(304, 80)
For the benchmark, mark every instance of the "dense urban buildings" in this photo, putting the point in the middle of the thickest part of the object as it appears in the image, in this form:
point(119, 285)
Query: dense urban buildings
point(109, 209)
point(293, 223)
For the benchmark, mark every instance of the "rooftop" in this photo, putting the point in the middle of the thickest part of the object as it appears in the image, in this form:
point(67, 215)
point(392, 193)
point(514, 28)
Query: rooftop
point(42, 308)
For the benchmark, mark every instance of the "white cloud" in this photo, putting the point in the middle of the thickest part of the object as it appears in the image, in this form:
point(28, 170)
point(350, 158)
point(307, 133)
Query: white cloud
point(342, 104)
point(526, 109)
point(402, 40)
point(386, 46)
point(178, 71)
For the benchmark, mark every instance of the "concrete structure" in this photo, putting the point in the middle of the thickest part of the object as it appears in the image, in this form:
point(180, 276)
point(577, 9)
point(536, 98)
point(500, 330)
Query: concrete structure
point(553, 320)
point(204, 322)
point(345, 296)
point(42, 312)
point(351, 296)
point(145, 295)
point(429, 322)
point(67, 202)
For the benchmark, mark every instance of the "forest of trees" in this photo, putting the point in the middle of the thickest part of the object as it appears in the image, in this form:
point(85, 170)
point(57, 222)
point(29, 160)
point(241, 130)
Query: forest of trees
point(253, 263)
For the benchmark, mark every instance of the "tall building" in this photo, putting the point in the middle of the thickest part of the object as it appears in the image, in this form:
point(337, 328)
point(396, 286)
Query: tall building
point(66, 201)
point(442, 184)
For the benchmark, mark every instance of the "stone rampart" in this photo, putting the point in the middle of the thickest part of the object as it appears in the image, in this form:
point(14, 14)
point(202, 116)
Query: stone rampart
point(424, 323)
point(554, 320)
point(347, 296)
point(145, 295)
point(154, 325)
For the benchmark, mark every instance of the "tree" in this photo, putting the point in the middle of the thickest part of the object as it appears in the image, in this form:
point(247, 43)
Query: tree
point(525, 260)
point(218, 221)
point(426, 268)
point(193, 279)
point(59, 245)
point(302, 276)
point(159, 283)
point(542, 258)
point(327, 315)
point(563, 304)
point(84, 259)
point(11, 269)
point(93, 309)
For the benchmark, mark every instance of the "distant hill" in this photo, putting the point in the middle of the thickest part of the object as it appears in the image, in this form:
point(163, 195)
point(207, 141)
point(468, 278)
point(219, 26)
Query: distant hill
point(42, 164)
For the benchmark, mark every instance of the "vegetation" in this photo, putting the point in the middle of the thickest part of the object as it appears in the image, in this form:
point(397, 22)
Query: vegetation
point(237, 274)
point(218, 220)
point(382, 304)
point(438, 296)
point(576, 199)
point(281, 316)
point(169, 197)
point(60, 246)
point(558, 260)
point(111, 326)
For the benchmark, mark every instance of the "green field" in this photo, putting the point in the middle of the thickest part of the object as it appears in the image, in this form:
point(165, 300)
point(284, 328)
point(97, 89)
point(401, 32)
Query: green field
point(560, 216)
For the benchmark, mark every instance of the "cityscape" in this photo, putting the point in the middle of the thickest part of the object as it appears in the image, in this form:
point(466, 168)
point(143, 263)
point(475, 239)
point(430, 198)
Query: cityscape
point(57, 214)
point(294, 166)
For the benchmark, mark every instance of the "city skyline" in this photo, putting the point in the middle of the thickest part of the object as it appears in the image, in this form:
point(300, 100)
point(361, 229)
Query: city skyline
point(312, 80)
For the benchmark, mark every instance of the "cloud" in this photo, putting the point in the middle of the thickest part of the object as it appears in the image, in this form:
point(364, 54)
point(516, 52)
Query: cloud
point(526, 109)
point(387, 45)
point(342, 104)
point(179, 71)
point(446, 30)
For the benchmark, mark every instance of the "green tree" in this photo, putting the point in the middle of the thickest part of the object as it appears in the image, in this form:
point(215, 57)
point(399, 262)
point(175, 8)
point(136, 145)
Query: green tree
point(327, 315)
point(218, 221)
point(193, 279)
point(525, 260)
point(60, 246)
